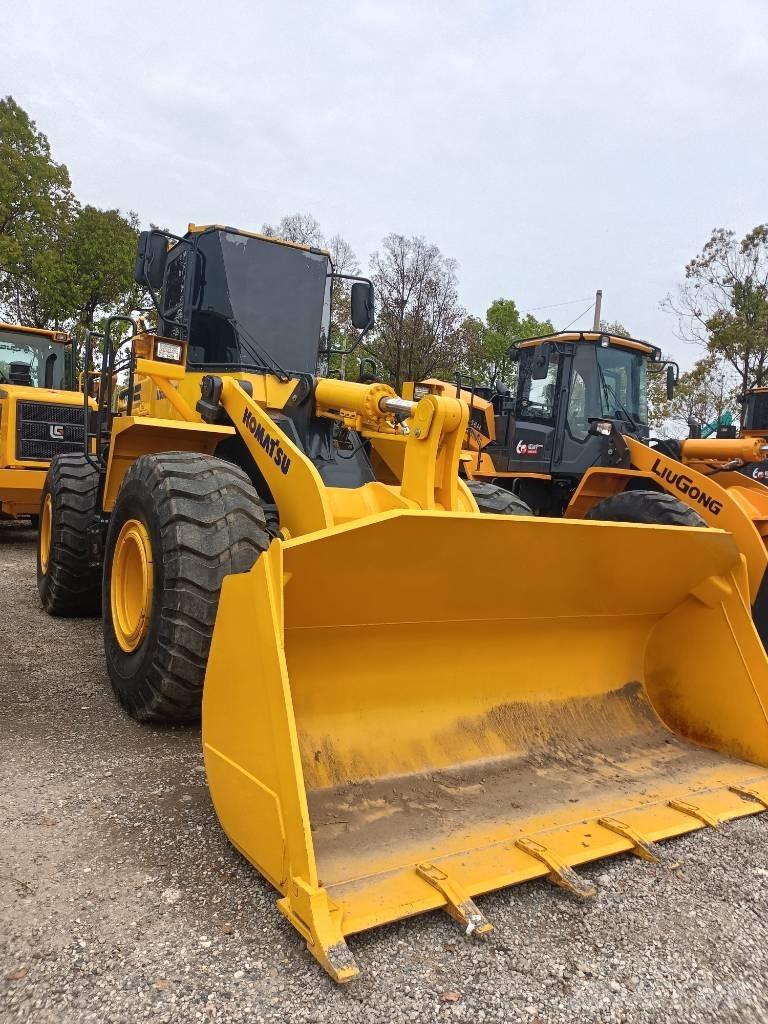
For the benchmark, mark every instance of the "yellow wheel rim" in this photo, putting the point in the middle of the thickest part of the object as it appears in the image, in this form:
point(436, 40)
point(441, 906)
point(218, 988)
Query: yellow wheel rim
point(131, 585)
point(46, 532)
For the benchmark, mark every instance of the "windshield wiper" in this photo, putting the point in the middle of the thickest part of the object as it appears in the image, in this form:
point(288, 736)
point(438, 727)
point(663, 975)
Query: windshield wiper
point(259, 356)
point(606, 388)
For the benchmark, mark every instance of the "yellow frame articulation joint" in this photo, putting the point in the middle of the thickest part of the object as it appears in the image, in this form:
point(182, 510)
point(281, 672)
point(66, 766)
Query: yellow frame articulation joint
point(559, 873)
point(459, 903)
point(641, 847)
point(694, 812)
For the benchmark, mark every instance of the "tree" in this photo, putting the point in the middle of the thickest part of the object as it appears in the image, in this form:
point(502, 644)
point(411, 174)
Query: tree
point(418, 328)
point(36, 206)
point(61, 265)
point(703, 393)
point(723, 304)
point(342, 332)
point(614, 327)
point(488, 343)
point(301, 228)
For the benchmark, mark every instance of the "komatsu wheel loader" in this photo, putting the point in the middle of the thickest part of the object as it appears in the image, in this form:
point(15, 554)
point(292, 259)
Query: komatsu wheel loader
point(573, 441)
point(298, 555)
point(41, 416)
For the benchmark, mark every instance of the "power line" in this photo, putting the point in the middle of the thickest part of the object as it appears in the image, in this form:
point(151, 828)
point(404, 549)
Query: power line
point(554, 305)
point(589, 307)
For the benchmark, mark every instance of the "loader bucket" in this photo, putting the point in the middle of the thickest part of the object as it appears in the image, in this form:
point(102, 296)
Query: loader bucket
point(413, 709)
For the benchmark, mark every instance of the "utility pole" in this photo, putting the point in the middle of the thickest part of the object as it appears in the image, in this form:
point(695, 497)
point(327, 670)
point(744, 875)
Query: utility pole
point(598, 305)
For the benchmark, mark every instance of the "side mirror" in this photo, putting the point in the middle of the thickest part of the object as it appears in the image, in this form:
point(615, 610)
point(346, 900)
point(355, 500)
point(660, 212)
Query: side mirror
point(540, 364)
point(670, 382)
point(151, 257)
point(361, 297)
point(501, 388)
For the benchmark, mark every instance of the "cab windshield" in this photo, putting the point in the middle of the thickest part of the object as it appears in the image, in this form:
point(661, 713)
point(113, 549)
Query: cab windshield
point(756, 411)
point(607, 382)
point(32, 360)
point(623, 383)
point(256, 304)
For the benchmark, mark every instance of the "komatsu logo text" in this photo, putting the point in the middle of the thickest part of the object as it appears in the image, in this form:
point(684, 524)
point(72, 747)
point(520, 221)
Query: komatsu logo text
point(268, 443)
point(685, 485)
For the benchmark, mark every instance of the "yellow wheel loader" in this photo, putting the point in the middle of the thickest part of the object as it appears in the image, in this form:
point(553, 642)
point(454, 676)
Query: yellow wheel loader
point(41, 416)
point(754, 425)
point(573, 441)
point(299, 556)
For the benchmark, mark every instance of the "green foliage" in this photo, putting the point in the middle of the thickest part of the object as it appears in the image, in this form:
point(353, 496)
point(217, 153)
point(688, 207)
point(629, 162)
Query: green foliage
point(61, 265)
point(614, 327)
point(723, 304)
point(487, 344)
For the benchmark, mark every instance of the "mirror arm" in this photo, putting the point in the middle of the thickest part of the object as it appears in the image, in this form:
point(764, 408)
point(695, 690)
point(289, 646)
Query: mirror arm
point(346, 351)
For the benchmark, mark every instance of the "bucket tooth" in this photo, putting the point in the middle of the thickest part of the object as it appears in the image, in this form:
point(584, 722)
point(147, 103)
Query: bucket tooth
point(318, 919)
point(459, 904)
point(750, 794)
point(641, 846)
point(559, 873)
point(693, 811)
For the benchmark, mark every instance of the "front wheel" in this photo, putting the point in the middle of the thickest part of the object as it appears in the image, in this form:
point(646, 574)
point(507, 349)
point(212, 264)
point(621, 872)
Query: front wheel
point(68, 579)
point(182, 522)
point(651, 507)
point(494, 500)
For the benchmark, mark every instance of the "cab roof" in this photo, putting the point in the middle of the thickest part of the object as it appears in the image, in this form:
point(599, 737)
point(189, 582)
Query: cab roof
point(593, 337)
point(198, 229)
point(44, 332)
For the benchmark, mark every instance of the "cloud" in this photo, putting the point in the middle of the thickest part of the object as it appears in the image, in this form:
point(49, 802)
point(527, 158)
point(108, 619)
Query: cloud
point(551, 147)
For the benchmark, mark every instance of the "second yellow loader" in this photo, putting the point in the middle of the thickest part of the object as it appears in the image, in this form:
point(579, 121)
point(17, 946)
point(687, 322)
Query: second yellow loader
point(299, 556)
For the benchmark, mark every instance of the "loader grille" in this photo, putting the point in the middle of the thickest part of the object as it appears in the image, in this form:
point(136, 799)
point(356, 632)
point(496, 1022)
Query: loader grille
point(45, 429)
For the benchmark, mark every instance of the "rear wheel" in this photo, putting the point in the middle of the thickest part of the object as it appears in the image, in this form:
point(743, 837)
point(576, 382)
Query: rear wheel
point(653, 507)
point(68, 582)
point(495, 500)
point(182, 522)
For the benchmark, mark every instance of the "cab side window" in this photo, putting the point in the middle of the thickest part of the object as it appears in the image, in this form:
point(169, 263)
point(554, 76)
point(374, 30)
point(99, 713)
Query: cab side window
point(578, 422)
point(538, 395)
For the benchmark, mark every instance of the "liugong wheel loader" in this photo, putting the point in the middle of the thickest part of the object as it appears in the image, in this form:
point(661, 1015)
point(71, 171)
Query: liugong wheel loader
point(41, 416)
point(573, 441)
point(299, 555)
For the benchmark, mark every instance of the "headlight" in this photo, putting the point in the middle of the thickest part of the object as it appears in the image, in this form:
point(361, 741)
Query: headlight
point(168, 351)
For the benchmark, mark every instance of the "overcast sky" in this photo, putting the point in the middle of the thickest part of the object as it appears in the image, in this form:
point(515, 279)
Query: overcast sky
point(551, 148)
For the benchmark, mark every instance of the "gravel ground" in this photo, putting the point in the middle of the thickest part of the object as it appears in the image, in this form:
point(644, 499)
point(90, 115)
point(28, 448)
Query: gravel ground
point(121, 900)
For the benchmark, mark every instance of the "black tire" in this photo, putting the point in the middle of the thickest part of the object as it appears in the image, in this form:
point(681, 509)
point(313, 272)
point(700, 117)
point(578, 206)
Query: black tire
point(204, 521)
point(69, 585)
point(654, 507)
point(496, 500)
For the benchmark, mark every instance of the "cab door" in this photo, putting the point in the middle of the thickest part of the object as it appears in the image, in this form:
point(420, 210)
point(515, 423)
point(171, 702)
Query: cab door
point(531, 446)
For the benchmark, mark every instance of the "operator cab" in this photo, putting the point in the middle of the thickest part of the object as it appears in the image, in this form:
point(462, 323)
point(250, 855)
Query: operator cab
point(246, 302)
point(566, 384)
point(754, 416)
point(35, 358)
